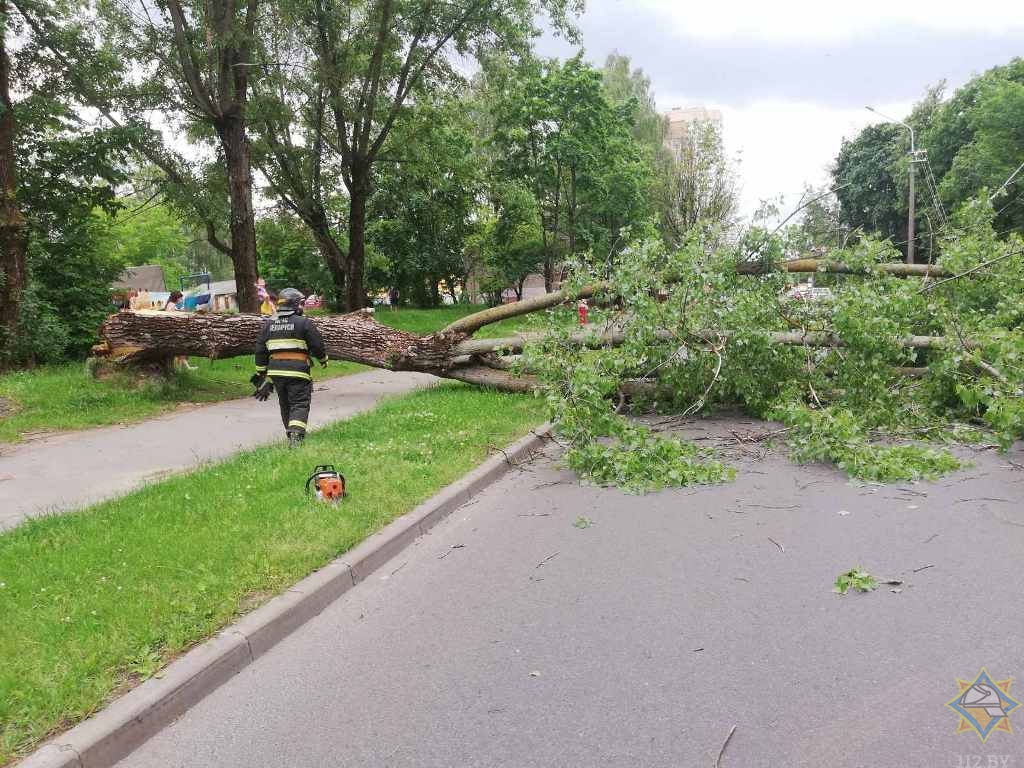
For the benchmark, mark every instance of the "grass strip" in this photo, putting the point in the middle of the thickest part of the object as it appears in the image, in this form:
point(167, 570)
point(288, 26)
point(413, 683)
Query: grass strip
point(96, 600)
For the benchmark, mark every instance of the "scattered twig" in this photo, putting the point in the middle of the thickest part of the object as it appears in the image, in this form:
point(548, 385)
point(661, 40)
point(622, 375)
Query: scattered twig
point(911, 491)
point(991, 370)
point(547, 485)
point(982, 498)
point(718, 370)
point(769, 506)
point(450, 550)
point(547, 559)
point(781, 548)
point(697, 650)
point(721, 752)
point(930, 539)
point(399, 567)
point(805, 486)
point(923, 568)
point(502, 452)
point(508, 460)
point(536, 514)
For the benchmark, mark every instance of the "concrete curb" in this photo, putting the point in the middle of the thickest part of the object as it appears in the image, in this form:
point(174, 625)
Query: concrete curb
point(109, 736)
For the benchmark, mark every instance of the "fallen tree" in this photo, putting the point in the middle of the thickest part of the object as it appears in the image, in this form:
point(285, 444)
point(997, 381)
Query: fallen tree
point(693, 330)
point(140, 337)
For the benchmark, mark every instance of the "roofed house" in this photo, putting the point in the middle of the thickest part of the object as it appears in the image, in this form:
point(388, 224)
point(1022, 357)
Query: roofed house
point(147, 278)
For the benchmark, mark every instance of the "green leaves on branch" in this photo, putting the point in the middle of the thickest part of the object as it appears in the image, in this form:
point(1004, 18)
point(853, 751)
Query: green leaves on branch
point(836, 435)
point(686, 334)
point(638, 461)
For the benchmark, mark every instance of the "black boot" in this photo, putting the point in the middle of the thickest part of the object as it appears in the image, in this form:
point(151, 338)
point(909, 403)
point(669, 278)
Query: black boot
point(295, 439)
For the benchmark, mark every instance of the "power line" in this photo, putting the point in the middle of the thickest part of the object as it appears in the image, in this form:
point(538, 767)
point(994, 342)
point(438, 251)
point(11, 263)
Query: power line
point(1007, 182)
point(933, 187)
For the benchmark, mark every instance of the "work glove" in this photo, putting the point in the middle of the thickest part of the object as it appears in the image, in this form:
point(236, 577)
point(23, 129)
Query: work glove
point(264, 387)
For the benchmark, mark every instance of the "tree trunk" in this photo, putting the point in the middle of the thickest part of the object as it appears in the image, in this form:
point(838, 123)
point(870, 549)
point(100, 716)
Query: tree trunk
point(150, 337)
point(572, 210)
point(355, 293)
point(812, 266)
point(13, 234)
point(243, 219)
point(333, 256)
point(549, 255)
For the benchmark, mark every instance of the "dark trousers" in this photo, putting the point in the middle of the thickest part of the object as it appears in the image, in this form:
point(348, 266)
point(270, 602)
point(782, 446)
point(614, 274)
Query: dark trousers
point(294, 396)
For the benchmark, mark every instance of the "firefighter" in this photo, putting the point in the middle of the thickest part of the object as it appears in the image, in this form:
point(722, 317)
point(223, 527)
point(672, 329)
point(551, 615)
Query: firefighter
point(287, 343)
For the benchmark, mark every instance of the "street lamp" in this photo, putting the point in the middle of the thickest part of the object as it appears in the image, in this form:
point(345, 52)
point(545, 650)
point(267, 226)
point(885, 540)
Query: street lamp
point(913, 159)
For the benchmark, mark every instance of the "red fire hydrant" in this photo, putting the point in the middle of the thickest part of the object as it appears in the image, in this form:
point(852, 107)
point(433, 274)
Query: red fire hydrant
point(583, 309)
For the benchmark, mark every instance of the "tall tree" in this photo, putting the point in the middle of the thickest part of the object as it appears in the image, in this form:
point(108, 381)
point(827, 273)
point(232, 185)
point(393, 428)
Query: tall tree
point(557, 133)
point(293, 149)
point(700, 190)
point(194, 60)
point(864, 176)
point(631, 88)
point(423, 211)
point(374, 56)
point(13, 241)
point(973, 141)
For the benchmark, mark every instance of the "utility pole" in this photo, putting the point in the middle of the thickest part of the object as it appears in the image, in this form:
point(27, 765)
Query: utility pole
point(910, 168)
point(910, 215)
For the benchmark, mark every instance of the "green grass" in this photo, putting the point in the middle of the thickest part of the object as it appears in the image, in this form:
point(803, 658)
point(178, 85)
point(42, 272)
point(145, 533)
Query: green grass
point(424, 321)
point(67, 397)
point(94, 600)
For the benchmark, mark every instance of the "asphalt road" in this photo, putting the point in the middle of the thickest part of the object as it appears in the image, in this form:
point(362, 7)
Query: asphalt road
point(71, 470)
point(511, 637)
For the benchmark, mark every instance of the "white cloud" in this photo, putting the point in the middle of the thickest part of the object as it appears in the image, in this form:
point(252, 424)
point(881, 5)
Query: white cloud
point(814, 20)
point(785, 145)
point(791, 77)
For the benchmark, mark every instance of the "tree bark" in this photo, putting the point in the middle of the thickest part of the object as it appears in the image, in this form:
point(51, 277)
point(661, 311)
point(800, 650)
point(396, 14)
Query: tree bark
point(13, 227)
point(572, 210)
point(549, 253)
point(333, 257)
point(151, 337)
point(835, 268)
point(355, 293)
point(148, 335)
point(237, 155)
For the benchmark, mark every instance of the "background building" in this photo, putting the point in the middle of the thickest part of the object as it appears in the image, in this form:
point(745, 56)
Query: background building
point(681, 120)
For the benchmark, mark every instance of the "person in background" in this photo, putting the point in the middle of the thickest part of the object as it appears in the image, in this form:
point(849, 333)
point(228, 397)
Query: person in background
point(172, 301)
point(267, 299)
point(171, 305)
point(393, 298)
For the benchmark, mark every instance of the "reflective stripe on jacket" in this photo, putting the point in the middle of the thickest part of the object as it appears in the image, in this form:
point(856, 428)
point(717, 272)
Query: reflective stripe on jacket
point(285, 346)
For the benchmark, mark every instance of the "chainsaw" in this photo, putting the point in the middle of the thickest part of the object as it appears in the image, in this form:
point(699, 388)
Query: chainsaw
point(327, 483)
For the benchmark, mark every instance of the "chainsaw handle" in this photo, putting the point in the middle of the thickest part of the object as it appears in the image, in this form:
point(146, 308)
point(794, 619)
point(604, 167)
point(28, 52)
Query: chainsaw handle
point(319, 471)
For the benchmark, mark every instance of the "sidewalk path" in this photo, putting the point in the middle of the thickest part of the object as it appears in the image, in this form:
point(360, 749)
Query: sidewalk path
point(73, 469)
point(510, 638)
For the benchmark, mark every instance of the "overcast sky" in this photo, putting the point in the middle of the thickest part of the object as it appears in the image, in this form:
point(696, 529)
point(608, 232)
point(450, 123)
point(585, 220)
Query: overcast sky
point(792, 77)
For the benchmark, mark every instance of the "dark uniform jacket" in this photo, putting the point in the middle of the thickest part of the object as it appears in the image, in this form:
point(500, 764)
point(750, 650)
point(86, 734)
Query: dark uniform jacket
point(286, 345)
